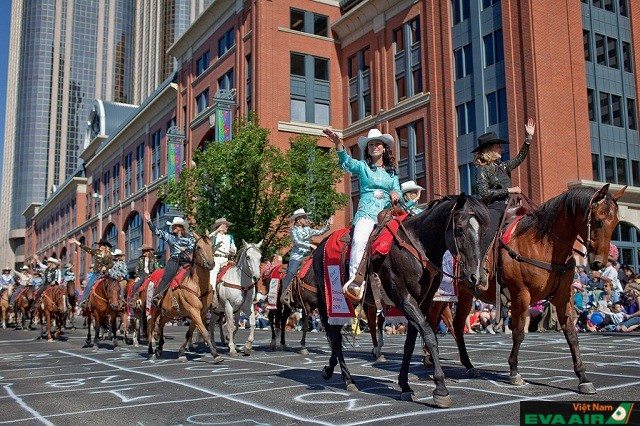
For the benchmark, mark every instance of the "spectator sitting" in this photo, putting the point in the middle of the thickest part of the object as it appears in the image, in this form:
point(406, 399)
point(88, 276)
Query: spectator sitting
point(612, 317)
point(534, 313)
point(633, 313)
point(595, 281)
point(610, 275)
point(582, 276)
point(578, 297)
point(608, 296)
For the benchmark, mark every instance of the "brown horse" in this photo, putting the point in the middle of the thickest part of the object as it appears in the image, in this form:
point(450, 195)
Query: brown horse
point(22, 307)
point(53, 306)
point(72, 300)
point(538, 263)
point(104, 305)
point(133, 316)
point(409, 273)
point(192, 297)
point(4, 304)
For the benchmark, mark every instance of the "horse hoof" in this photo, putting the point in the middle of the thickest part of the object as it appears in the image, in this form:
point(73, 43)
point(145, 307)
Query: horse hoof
point(182, 358)
point(247, 352)
point(442, 401)
point(233, 353)
point(472, 373)
point(273, 346)
point(135, 343)
point(351, 387)
point(516, 380)
point(587, 388)
point(49, 340)
point(381, 358)
point(218, 359)
point(407, 396)
point(304, 351)
point(95, 349)
point(327, 373)
point(426, 363)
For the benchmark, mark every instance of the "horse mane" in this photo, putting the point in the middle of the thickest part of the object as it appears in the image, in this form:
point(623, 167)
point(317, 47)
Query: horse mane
point(473, 204)
point(571, 203)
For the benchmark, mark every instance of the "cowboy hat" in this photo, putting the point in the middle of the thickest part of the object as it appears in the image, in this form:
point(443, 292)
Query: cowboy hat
point(6, 269)
point(409, 186)
point(68, 266)
point(145, 247)
point(25, 267)
point(118, 252)
point(178, 221)
point(221, 221)
point(53, 260)
point(488, 139)
point(296, 214)
point(104, 242)
point(376, 135)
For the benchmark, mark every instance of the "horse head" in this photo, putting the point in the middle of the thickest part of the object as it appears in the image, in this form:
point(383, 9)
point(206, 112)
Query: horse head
point(112, 291)
point(465, 231)
point(602, 219)
point(203, 252)
point(249, 258)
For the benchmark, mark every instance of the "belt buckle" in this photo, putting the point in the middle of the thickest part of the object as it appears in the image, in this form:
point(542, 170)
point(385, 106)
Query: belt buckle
point(379, 194)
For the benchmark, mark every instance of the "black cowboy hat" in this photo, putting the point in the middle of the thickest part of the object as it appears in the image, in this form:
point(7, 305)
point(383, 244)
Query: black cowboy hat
point(488, 139)
point(104, 242)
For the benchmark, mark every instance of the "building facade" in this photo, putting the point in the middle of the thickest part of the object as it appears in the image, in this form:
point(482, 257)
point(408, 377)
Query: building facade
point(435, 75)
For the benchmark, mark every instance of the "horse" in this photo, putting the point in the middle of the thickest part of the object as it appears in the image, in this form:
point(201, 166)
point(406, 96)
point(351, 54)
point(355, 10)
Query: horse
point(408, 275)
point(192, 297)
point(22, 307)
point(4, 304)
point(72, 299)
point(134, 315)
point(54, 306)
point(104, 304)
point(236, 291)
point(538, 263)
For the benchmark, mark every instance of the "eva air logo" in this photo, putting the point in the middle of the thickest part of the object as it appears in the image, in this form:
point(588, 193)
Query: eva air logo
point(621, 414)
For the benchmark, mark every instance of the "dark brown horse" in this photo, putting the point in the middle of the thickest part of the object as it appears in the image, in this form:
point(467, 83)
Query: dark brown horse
point(191, 298)
point(408, 274)
point(538, 263)
point(22, 307)
point(54, 306)
point(72, 299)
point(134, 315)
point(104, 307)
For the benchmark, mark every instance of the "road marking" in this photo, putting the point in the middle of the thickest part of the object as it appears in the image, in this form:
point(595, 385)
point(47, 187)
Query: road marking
point(20, 402)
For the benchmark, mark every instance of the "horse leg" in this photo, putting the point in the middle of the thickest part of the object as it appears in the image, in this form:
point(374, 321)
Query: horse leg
point(48, 317)
point(465, 299)
point(306, 323)
point(433, 317)
point(197, 319)
point(568, 327)
point(160, 345)
point(187, 338)
point(114, 332)
point(519, 308)
point(228, 311)
point(372, 319)
point(284, 317)
point(96, 330)
point(417, 320)
point(336, 345)
point(151, 325)
point(272, 325)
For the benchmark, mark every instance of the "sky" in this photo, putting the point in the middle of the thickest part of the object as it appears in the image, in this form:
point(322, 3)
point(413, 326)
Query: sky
point(5, 26)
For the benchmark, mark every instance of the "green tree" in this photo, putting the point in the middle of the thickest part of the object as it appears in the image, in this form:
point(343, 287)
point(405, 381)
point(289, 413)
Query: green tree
point(256, 186)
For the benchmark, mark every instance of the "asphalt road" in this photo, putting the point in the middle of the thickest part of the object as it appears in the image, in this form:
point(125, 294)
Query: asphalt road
point(63, 383)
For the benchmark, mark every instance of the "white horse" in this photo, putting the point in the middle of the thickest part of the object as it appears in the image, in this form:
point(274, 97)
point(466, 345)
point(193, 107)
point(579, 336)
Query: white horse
point(236, 291)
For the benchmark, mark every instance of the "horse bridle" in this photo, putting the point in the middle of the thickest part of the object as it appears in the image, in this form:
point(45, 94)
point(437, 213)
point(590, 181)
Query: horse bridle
point(592, 206)
point(254, 280)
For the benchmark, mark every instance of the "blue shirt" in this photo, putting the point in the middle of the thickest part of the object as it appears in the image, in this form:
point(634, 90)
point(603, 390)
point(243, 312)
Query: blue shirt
point(375, 186)
point(301, 239)
point(412, 207)
point(174, 242)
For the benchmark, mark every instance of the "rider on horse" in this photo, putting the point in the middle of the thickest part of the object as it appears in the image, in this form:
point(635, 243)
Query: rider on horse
point(24, 279)
point(101, 264)
point(6, 280)
point(119, 271)
point(181, 248)
point(52, 275)
point(223, 245)
point(411, 195)
point(147, 263)
point(301, 234)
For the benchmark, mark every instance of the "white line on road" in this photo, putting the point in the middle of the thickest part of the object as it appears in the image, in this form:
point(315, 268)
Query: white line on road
point(26, 407)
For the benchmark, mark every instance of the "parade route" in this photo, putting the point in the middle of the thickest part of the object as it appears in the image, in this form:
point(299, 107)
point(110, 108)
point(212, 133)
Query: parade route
point(62, 383)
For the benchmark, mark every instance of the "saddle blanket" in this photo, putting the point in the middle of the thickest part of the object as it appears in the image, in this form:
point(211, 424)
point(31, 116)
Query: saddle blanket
point(153, 278)
point(382, 244)
point(223, 271)
point(339, 311)
point(274, 287)
point(179, 277)
point(307, 262)
point(506, 236)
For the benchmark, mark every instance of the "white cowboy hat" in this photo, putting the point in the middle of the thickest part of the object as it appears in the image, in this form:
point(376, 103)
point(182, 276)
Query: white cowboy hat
point(221, 221)
point(179, 221)
point(296, 214)
point(53, 260)
point(410, 186)
point(25, 267)
point(375, 134)
point(118, 252)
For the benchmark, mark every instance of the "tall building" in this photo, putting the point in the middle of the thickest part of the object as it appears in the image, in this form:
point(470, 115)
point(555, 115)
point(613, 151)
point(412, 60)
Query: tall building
point(64, 54)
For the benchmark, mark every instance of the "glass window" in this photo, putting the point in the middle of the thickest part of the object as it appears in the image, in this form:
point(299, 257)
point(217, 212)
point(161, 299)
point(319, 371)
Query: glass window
point(605, 117)
point(635, 172)
point(492, 109)
point(321, 67)
point(461, 10)
point(499, 48)
point(401, 88)
point(626, 56)
point(502, 105)
point(321, 113)
point(414, 27)
point(298, 112)
point(595, 167)
point(398, 39)
point(309, 96)
point(297, 65)
point(609, 170)
point(612, 49)
point(586, 39)
point(297, 20)
point(601, 58)
point(489, 57)
point(616, 110)
point(591, 106)
point(621, 169)
point(461, 116)
point(632, 122)
point(622, 7)
point(607, 5)
point(202, 101)
point(320, 25)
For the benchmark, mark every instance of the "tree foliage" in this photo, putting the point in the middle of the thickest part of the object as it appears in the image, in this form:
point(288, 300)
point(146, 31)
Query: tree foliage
point(256, 186)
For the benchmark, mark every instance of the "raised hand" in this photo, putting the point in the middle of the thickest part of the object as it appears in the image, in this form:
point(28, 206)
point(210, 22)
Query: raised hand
point(530, 127)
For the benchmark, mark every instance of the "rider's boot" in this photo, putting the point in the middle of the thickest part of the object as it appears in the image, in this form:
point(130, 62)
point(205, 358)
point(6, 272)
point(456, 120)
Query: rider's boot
point(354, 288)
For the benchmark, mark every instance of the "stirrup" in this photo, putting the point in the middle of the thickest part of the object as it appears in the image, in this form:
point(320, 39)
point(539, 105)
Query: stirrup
point(352, 290)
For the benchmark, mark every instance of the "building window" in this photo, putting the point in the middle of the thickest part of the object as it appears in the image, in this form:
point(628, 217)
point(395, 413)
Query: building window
point(460, 10)
point(202, 101)
point(612, 49)
point(493, 48)
point(112, 235)
point(606, 51)
point(134, 236)
point(410, 155)
point(128, 161)
point(226, 81)
point(591, 105)
point(83, 255)
point(359, 73)
point(609, 169)
point(463, 61)
point(497, 107)
point(605, 117)
point(160, 221)
point(107, 189)
point(488, 3)
point(408, 65)
point(595, 167)
point(96, 200)
point(139, 167)
point(226, 42)
point(626, 56)
point(635, 172)
point(467, 179)
point(248, 83)
point(466, 118)
point(309, 89)
point(616, 110)
point(155, 156)
point(202, 63)
point(621, 171)
point(632, 121)
point(601, 58)
point(116, 183)
point(586, 38)
point(309, 22)
point(622, 7)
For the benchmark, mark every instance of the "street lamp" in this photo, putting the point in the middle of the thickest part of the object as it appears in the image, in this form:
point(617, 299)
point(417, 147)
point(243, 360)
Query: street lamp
point(99, 196)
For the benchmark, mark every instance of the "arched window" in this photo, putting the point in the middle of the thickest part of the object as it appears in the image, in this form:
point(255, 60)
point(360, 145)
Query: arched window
point(627, 238)
point(134, 236)
point(160, 220)
point(112, 235)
